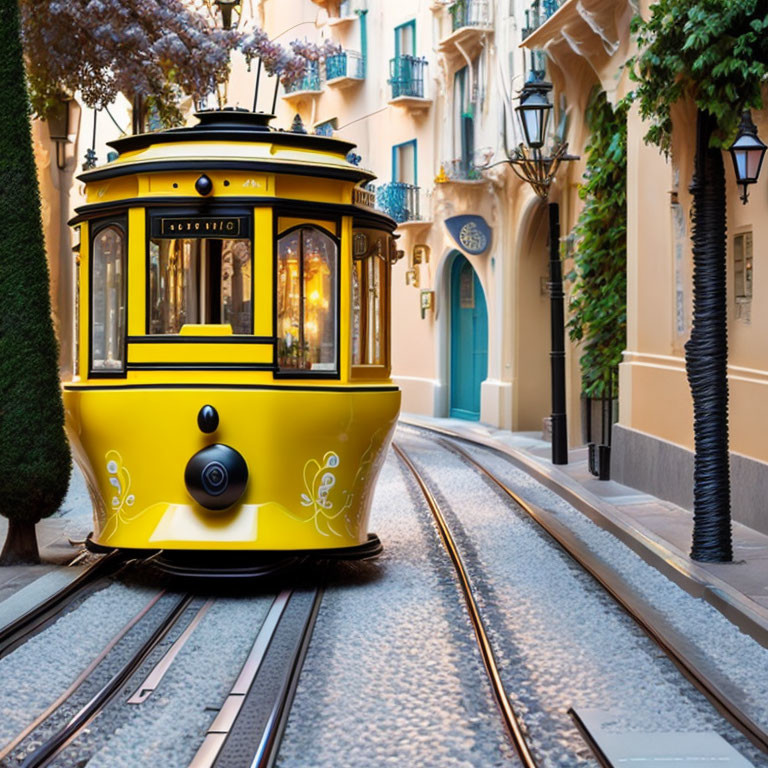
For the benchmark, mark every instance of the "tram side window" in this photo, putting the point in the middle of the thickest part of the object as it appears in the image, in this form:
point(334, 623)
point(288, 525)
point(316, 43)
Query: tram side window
point(200, 281)
point(108, 300)
point(370, 297)
point(307, 280)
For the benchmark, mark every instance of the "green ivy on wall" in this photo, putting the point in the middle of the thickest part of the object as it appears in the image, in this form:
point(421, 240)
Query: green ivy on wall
point(715, 51)
point(599, 296)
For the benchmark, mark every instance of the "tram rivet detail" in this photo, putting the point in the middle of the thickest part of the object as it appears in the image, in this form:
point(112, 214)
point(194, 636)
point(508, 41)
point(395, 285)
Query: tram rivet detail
point(204, 185)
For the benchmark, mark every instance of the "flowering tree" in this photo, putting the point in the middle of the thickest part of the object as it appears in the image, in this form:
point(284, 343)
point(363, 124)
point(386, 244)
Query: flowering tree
point(155, 50)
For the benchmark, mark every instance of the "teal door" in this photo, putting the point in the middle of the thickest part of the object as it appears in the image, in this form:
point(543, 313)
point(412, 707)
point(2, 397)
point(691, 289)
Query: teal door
point(469, 340)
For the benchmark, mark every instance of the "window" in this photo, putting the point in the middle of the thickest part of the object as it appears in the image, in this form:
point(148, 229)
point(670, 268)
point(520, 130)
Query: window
point(307, 297)
point(404, 167)
point(405, 39)
point(370, 296)
point(200, 281)
point(742, 275)
point(108, 299)
point(463, 127)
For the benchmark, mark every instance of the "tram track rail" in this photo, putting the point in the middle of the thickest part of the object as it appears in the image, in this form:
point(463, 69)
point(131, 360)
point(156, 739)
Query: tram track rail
point(512, 721)
point(36, 618)
point(249, 726)
point(669, 640)
point(52, 741)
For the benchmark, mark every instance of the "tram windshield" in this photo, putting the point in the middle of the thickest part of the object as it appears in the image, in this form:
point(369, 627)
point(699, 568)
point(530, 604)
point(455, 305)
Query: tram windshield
point(306, 300)
point(200, 281)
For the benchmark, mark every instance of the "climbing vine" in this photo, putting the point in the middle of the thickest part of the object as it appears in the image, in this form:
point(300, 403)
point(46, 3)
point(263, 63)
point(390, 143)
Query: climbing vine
point(714, 51)
point(599, 295)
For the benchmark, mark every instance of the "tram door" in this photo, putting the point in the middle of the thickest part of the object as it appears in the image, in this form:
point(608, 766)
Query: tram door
point(469, 340)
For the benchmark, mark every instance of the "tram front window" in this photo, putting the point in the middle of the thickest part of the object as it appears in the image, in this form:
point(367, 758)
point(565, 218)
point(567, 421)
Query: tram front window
point(307, 275)
point(370, 299)
point(200, 281)
point(108, 301)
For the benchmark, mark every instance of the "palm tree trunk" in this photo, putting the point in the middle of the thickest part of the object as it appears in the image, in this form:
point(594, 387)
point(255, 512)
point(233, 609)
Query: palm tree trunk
point(706, 354)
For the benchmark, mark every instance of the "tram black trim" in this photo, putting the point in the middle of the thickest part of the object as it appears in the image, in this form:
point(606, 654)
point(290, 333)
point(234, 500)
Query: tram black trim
point(160, 366)
point(294, 169)
point(295, 388)
point(220, 128)
point(364, 216)
point(165, 338)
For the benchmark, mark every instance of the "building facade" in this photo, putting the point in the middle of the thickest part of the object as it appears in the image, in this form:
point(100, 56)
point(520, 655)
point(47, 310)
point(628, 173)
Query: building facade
point(426, 90)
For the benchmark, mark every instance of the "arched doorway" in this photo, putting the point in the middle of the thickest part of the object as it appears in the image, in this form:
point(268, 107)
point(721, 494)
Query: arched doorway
point(469, 340)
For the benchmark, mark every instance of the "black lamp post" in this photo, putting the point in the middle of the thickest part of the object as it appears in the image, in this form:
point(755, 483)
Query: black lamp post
point(747, 153)
point(539, 170)
point(226, 7)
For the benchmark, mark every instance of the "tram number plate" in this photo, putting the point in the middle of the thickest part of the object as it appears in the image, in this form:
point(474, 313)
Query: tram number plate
point(202, 227)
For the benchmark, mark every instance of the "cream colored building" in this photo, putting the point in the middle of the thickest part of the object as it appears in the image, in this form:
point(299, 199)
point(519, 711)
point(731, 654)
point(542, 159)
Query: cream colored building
point(588, 42)
point(423, 88)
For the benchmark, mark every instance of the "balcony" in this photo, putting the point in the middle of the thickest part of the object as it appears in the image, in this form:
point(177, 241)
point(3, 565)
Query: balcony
point(344, 69)
point(538, 13)
point(406, 76)
point(470, 13)
point(471, 21)
point(400, 201)
point(459, 171)
point(308, 86)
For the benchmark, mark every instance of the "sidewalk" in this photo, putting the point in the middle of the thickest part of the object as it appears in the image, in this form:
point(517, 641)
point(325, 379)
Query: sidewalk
point(657, 530)
point(72, 522)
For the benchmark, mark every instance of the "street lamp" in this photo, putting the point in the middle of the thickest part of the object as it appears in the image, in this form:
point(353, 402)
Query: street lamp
point(533, 111)
point(747, 153)
point(538, 170)
point(226, 7)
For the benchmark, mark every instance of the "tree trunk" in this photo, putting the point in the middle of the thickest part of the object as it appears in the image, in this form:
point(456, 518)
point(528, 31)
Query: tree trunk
point(706, 355)
point(20, 544)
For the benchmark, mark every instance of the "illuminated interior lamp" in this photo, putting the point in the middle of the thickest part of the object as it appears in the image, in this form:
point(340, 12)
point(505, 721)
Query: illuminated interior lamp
point(747, 152)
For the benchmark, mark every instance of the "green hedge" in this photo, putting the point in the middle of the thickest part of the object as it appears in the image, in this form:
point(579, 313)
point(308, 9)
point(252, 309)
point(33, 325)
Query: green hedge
point(35, 462)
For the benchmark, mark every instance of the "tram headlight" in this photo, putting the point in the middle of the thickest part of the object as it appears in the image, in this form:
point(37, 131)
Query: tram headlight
point(216, 477)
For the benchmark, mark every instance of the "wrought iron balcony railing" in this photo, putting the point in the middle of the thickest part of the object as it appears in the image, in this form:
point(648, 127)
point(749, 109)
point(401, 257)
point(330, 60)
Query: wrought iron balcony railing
point(345, 64)
point(406, 76)
point(538, 13)
point(310, 81)
point(470, 13)
point(461, 169)
point(399, 200)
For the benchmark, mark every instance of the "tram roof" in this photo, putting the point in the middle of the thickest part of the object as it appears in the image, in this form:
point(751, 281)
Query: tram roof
point(231, 138)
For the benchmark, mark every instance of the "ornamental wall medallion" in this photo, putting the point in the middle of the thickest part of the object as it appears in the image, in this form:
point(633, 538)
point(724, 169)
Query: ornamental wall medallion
point(471, 233)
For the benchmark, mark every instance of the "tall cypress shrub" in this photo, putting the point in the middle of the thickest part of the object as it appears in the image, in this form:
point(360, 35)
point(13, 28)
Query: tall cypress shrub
point(34, 456)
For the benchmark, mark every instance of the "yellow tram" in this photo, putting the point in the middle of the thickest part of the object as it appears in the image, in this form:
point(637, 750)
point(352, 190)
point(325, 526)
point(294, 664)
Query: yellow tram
point(232, 388)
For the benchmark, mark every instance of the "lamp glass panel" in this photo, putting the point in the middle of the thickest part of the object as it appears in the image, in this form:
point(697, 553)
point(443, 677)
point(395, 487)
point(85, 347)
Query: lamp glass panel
point(754, 160)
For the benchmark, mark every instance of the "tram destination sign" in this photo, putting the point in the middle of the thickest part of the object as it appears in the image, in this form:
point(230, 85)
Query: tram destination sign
point(200, 226)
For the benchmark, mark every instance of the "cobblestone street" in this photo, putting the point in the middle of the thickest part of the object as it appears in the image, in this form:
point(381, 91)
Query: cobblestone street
point(392, 673)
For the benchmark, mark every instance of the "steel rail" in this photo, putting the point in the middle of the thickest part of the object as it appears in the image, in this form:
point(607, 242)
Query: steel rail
point(14, 633)
point(511, 719)
point(269, 678)
point(606, 579)
point(56, 743)
point(43, 716)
